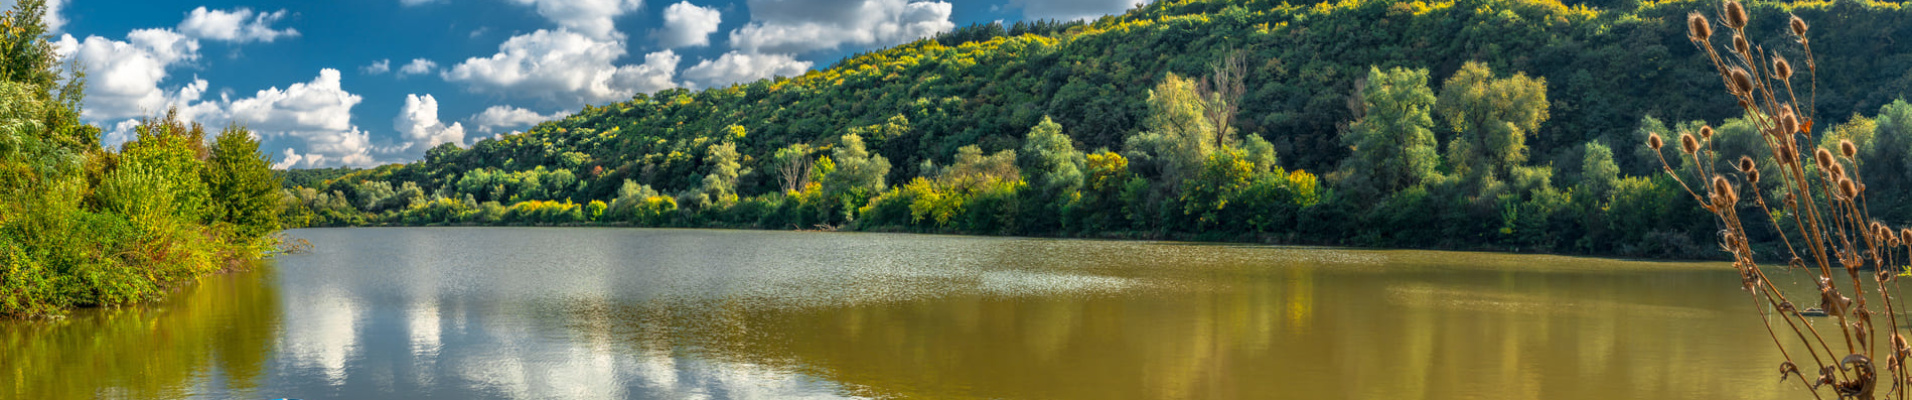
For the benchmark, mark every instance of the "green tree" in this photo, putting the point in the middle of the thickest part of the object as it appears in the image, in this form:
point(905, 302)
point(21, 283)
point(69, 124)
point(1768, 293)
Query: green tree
point(721, 184)
point(1598, 173)
point(1393, 147)
point(171, 149)
point(1491, 118)
point(1179, 133)
point(1052, 159)
point(27, 57)
point(244, 191)
point(857, 174)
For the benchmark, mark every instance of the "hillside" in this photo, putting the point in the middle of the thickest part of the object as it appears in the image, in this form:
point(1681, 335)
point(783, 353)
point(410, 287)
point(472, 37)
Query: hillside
point(1606, 77)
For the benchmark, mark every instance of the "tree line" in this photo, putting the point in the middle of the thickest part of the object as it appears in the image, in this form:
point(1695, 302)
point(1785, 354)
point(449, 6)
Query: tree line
point(1476, 124)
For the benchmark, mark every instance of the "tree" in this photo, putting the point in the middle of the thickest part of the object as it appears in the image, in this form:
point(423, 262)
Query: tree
point(1491, 118)
point(1223, 93)
point(244, 191)
point(857, 173)
point(1393, 146)
point(1052, 159)
point(171, 149)
point(721, 184)
point(1178, 134)
point(793, 165)
point(26, 57)
point(1598, 173)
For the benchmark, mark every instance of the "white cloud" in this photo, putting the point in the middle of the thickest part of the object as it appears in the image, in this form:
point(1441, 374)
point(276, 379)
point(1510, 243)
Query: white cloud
point(241, 25)
point(589, 17)
point(734, 67)
point(796, 26)
point(1067, 10)
point(418, 66)
point(291, 159)
point(565, 67)
point(123, 77)
point(377, 68)
point(508, 117)
point(53, 20)
point(687, 25)
point(409, 3)
point(316, 114)
point(418, 122)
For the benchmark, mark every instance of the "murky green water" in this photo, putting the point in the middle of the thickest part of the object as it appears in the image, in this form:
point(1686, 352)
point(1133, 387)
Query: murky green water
point(522, 313)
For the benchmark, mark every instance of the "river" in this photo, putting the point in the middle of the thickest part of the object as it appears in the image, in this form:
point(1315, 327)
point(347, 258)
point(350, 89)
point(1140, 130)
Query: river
point(584, 313)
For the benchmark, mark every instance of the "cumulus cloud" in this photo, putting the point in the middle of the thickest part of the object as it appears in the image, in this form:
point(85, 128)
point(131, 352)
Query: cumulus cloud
point(316, 115)
point(288, 159)
point(687, 25)
point(241, 25)
point(734, 67)
point(419, 124)
point(565, 67)
point(418, 66)
point(796, 26)
point(500, 117)
point(123, 77)
point(1067, 10)
point(377, 67)
point(589, 17)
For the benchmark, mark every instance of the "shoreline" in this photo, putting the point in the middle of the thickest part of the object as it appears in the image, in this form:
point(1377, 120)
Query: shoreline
point(1171, 239)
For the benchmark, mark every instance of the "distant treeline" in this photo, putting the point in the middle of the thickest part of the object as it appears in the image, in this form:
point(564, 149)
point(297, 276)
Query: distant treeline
point(1475, 124)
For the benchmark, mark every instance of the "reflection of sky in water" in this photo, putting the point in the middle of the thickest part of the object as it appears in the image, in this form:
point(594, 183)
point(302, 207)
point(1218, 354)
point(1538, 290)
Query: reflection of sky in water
point(422, 316)
point(525, 313)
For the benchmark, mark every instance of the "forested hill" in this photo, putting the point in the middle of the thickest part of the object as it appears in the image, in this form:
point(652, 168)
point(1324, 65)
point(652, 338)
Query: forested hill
point(1605, 74)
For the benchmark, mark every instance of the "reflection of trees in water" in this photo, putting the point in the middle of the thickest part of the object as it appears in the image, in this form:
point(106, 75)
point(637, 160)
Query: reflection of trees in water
point(225, 325)
point(1293, 333)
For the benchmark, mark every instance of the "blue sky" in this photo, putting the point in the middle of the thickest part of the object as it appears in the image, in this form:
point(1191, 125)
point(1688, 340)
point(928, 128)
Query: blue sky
point(368, 82)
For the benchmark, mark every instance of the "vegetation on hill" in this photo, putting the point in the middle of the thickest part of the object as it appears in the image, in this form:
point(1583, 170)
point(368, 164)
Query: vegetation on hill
point(86, 226)
point(1475, 124)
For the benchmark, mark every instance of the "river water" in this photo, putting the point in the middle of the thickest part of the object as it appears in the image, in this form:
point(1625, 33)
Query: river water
point(587, 313)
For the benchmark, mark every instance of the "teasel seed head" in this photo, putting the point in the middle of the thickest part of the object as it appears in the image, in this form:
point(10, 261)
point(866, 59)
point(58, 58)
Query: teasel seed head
point(1654, 142)
point(1752, 176)
point(1788, 120)
point(1824, 158)
point(1706, 132)
point(1745, 163)
point(1698, 27)
point(1735, 14)
point(1787, 155)
point(1848, 189)
point(1740, 45)
point(1723, 192)
point(1688, 143)
point(1848, 149)
point(1791, 201)
point(1742, 83)
point(1905, 235)
point(1798, 26)
point(1839, 169)
point(1782, 69)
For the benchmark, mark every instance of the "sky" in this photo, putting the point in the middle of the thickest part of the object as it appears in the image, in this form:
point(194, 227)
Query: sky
point(368, 82)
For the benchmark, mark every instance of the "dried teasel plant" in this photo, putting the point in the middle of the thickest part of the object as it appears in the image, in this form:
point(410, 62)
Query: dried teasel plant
point(1821, 220)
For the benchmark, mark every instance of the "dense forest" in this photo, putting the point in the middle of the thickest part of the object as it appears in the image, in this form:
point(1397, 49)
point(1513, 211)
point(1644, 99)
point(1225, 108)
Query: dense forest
point(1471, 124)
point(81, 225)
